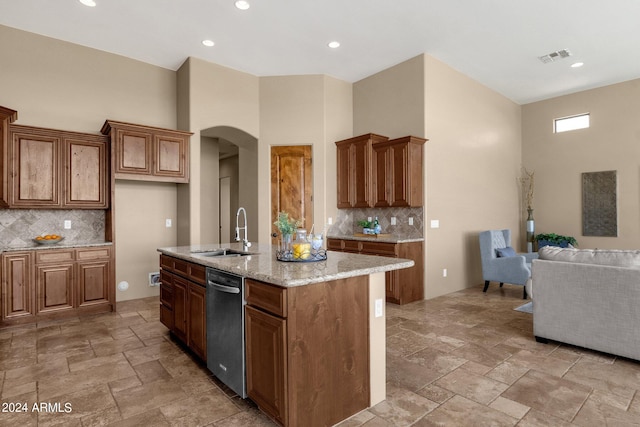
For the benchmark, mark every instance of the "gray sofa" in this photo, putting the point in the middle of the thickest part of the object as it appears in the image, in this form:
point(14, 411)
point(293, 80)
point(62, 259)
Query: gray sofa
point(588, 298)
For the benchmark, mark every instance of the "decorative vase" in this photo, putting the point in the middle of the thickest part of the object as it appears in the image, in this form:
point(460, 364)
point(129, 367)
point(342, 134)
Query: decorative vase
point(286, 243)
point(531, 226)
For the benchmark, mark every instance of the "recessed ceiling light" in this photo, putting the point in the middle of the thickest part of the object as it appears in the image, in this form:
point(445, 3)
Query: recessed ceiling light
point(89, 3)
point(208, 43)
point(577, 64)
point(242, 4)
point(333, 44)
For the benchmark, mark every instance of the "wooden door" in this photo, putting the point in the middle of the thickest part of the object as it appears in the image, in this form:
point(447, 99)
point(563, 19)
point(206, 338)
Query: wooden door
point(54, 284)
point(17, 293)
point(266, 362)
point(36, 167)
point(291, 184)
point(86, 173)
point(197, 320)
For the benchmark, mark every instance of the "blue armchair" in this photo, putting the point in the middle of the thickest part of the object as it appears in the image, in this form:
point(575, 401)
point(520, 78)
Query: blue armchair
point(500, 263)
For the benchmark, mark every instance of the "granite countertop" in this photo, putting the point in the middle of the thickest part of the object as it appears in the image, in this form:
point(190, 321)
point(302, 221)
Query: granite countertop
point(395, 238)
point(262, 264)
point(61, 245)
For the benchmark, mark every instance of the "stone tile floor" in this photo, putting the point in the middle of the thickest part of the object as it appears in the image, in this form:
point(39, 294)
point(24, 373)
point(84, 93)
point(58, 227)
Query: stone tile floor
point(464, 359)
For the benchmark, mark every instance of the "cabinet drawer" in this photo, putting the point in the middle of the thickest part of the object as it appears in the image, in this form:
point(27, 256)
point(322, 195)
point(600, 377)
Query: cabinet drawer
point(166, 262)
point(267, 297)
point(334, 244)
point(181, 267)
point(89, 254)
point(379, 248)
point(55, 255)
point(351, 246)
point(198, 273)
point(166, 290)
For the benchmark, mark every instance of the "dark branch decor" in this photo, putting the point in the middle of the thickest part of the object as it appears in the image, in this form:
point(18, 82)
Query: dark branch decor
point(599, 204)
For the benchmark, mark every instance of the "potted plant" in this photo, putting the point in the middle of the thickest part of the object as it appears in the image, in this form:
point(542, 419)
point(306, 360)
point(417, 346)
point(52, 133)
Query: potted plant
point(552, 239)
point(367, 226)
point(287, 227)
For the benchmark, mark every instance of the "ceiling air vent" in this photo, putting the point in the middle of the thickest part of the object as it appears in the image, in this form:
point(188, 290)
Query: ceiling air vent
point(555, 56)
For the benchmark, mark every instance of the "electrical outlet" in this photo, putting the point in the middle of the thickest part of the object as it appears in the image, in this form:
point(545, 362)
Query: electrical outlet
point(67, 224)
point(330, 220)
point(410, 220)
point(369, 218)
point(393, 220)
point(154, 279)
point(167, 222)
point(378, 308)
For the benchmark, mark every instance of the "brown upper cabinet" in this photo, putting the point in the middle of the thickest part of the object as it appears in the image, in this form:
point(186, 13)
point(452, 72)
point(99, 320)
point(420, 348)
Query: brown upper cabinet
point(354, 170)
point(51, 168)
point(374, 171)
point(7, 116)
point(148, 153)
point(396, 174)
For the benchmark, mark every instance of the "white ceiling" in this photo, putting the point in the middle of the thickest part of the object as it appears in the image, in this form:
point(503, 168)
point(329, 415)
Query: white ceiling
point(496, 42)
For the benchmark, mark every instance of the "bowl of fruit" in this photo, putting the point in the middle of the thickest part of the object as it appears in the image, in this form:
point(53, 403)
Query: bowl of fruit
point(48, 239)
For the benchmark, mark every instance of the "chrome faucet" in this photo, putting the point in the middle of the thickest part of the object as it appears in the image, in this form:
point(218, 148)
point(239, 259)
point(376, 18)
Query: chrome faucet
point(245, 243)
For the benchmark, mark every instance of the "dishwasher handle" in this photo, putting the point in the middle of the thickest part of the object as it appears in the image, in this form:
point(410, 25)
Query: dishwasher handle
point(223, 288)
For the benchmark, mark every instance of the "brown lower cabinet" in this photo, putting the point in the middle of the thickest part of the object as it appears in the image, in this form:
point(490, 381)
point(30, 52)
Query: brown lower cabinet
point(402, 286)
point(307, 350)
point(182, 302)
point(55, 283)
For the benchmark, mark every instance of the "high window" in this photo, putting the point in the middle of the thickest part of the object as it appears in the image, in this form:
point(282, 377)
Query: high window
point(564, 124)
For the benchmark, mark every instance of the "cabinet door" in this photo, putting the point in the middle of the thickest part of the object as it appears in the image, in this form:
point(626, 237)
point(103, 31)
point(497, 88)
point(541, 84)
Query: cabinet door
point(17, 286)
point(86, 173)
point(197, 336)
point(180, 307)
point(266, 362)
point(166, 299)
point(35, 169)
point(54, 287)
point(171, 157)
point(381, 175)
point(93, 283)
point(7, 116)
point(344, 177)
point(133, 153)
point(361, 168)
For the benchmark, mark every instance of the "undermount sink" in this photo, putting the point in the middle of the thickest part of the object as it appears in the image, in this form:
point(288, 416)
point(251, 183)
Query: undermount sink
point(222, 252)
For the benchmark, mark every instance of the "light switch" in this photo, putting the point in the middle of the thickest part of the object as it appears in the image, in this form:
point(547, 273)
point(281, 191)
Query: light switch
point(410, 220)
point(167, 223)
point(67, 224)
point(435, 223)
point(393, 220)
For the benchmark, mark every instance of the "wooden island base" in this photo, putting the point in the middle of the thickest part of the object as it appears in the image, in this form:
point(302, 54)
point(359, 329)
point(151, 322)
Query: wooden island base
point(309, 349)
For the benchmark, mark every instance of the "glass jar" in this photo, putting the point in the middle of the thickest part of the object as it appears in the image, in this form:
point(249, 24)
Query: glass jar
point(301, 246)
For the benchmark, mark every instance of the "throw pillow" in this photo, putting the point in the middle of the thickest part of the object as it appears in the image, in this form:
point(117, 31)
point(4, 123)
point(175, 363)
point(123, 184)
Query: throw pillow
point(506, 252)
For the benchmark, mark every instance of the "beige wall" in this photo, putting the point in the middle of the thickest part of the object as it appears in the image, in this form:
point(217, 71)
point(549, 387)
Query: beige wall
point(611, 143)
point(211, 96)
point(472, 163)
point(472, 158)
point(303, 110)
point(65, 86)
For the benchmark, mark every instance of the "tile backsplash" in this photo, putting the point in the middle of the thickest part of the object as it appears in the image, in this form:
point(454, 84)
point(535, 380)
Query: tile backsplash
point(19, 226)
point(347, 221)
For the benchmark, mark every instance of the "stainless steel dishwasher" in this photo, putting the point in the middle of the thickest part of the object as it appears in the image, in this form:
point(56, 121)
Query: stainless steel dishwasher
point(225, 329)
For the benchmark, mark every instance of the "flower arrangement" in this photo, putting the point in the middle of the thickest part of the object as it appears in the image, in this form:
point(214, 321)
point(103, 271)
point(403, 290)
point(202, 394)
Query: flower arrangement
point(286, 225)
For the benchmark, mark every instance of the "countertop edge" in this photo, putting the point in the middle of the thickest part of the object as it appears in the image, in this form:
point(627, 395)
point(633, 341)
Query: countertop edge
point(232, 267)
point(36, 247)
point(399, 239)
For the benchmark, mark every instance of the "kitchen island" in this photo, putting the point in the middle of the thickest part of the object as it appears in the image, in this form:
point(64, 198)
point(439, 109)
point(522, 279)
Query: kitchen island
point(315, 331)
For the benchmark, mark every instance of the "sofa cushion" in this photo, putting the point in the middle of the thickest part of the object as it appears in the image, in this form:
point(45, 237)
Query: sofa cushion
point(505, 252)
point(611, 257)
